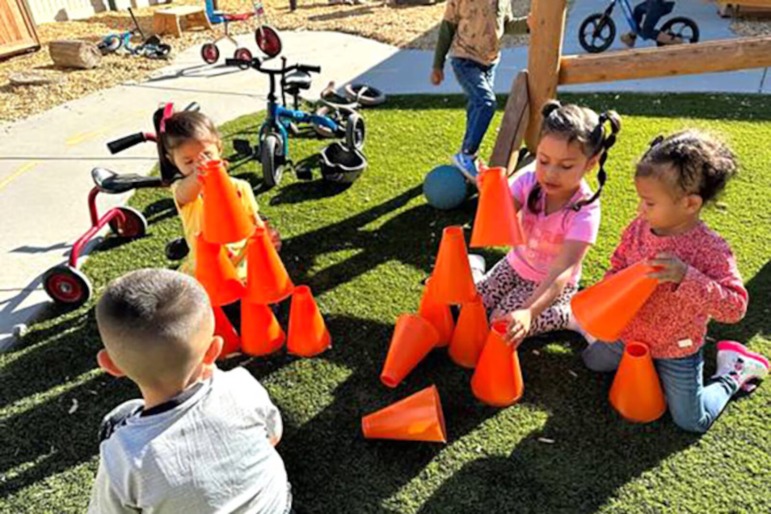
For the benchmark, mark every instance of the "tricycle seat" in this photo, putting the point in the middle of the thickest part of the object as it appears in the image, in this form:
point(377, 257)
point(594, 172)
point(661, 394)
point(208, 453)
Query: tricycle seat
point(296, 81)
point(112, 183)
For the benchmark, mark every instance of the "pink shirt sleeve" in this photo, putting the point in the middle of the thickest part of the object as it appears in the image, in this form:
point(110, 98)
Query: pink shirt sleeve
point(522, 186)
point(585, 224)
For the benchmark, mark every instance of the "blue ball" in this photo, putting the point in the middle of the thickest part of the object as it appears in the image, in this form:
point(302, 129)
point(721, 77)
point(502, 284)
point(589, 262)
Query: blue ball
point(445, 187)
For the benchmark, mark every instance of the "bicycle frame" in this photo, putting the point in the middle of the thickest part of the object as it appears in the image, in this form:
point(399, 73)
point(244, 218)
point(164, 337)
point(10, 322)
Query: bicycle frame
point(628, 11)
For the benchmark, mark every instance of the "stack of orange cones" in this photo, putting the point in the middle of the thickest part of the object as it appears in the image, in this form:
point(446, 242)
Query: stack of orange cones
point(470, 334)
point(497, 379)
point(224, 218)
point(413, 339)
point(495, 223)
point(261, 333)
point(308, 334)
point(605, 309)
point(418, 417)
point(216, 273)
point(636, 391)
point(451, 280)
point(438, 314)
point(266, 280)
point(231, 342)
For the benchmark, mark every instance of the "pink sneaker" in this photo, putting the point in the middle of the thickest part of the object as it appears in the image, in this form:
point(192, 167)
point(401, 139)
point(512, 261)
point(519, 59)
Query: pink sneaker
point(740, 364)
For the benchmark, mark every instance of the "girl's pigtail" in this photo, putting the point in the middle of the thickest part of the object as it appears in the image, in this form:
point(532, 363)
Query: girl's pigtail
point(605, 140)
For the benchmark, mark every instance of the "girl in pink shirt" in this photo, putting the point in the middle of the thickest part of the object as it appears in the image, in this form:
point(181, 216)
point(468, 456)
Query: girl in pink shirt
point(532, 286)
point(698, 280)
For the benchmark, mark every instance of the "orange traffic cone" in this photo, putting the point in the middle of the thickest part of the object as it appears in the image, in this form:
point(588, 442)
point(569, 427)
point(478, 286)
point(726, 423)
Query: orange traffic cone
point(216, 273)
point(413, 338)
point(470, 334)
point(308, 334)
point(418, 417)
point(452, 280)
point(438, 314)
point(260, 331)
point(606, 308)
point(495, 223)
point(266, 280)
point(636, 391)
point(224, 218)
point(497, 380)
point(231, 341)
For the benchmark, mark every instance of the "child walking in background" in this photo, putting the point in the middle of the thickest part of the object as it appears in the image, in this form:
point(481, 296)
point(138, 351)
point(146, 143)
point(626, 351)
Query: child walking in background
point(200, 440)
point(698, 280)
point(471, 30)
point(532, 286)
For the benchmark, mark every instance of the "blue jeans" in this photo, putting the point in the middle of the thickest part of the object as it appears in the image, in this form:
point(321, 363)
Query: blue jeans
point(477, 82)
point(652, 11)
point(693, 407)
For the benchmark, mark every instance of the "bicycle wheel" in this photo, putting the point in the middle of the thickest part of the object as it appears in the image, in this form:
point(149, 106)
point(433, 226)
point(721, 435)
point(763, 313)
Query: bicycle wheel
point(597, 33)
point(271, 169)
point(365, 95)
point(268, 40)
point(355, 132)
point(681, 27)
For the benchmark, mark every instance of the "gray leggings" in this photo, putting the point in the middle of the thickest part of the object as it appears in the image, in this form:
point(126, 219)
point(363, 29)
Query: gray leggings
point(504, 291)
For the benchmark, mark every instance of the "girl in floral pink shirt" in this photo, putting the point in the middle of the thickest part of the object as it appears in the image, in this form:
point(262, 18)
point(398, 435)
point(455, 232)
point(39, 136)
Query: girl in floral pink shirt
point(698, 280)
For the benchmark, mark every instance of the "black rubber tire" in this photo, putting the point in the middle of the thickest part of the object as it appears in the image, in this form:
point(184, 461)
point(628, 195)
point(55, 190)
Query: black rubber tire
point(355, 132)
point(134, 225)
point(690, 34)
point(210, 53)
point(177, 249)
point(371, 96)
point(271, 169)
point(268, 40)
point(591, 28)
point(67, 286)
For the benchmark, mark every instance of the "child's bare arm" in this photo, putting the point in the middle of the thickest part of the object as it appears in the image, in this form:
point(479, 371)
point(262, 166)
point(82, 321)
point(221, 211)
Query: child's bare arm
point(187, 189)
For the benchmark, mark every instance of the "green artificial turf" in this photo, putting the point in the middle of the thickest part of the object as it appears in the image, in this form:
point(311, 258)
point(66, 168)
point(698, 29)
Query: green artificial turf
point(364, 252)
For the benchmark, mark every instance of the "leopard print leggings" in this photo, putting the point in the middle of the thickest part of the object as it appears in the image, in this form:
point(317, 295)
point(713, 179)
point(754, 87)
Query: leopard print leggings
point(503, 291)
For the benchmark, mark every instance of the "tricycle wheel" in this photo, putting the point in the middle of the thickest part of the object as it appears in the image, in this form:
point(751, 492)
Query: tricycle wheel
point(271, 169)
point(268, 40)
point(243, 54)
point(320, 129)
point(133, 225)
point(355, 132)
point(210, 53)
point(67, 286)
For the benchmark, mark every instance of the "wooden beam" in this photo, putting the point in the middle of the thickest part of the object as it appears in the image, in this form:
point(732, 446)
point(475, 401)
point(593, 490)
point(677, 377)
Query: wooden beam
point(512, 129)
point(686, 59)
point(543, 61)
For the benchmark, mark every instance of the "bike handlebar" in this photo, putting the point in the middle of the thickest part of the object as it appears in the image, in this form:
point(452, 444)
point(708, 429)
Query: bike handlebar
point(256, 63)
point(128, 141)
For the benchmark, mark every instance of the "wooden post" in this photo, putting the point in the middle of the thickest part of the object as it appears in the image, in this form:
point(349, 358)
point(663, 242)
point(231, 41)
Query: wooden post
point(708, 57)
point(75, 54)
point(513, 125)
point(543, 61)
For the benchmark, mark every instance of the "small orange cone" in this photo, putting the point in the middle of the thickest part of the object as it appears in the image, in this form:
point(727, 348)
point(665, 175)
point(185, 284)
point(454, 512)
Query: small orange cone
point(418, 417)
point(224, 218)
point(438, 314)
point(452, 280)
point(223, 328)
point(636, 391)
point(266, 280)
point(495, 223)
point(308, 334)
point(413, 339)
point(470, 334)
point(606, 308)
point(260, 331)
point(216, 273)
point(497, 380)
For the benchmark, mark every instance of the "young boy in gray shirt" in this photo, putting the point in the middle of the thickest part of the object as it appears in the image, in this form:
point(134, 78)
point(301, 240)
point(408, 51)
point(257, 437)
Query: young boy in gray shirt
point(201, 440)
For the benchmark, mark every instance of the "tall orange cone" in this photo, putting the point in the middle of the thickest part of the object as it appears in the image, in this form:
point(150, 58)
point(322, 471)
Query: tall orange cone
point(266, 280)
point(497, 380)
point(470, 334)
point(418, 417)
point(606, 308)
point(224, 218)
point(495, 223)
point(231, 341)
point(260, 332)
point(438, 314)
point(452, 280)
point(413, 339)
point(308, 334)
point(216, 273)
point(636, 391)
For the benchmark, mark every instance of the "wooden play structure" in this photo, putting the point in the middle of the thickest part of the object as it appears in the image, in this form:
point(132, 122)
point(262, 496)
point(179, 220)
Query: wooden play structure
point(548, 68)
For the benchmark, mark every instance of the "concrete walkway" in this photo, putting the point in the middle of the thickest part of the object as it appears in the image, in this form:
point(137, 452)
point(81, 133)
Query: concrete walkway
point(45, 160)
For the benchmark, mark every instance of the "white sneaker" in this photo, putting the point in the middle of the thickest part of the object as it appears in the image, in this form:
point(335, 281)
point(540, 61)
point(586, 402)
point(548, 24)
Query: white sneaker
point(737, 362)
point(478, 267)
